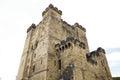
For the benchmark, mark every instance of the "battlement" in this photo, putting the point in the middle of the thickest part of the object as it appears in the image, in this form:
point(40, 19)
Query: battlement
point(74, 26)
point(51, 7)
point(101, 50)
point(69, 42)
point(90, 56)
point(79, 26)
point(64, 22)
point(96, 52)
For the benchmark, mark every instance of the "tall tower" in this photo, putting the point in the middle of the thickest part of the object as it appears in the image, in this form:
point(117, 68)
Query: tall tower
point(56, 50)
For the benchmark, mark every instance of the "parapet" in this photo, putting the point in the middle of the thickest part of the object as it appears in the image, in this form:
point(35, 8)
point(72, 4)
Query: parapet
point(63, 22)
point(91, 56)
point(60, 13)
point(96, 52)
point(69, 42)
point(79, 26)
point(52, 7)
point(75, 25)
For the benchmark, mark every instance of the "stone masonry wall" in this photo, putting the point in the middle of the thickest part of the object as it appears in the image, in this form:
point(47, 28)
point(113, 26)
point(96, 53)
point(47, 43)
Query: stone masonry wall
point(56, 50)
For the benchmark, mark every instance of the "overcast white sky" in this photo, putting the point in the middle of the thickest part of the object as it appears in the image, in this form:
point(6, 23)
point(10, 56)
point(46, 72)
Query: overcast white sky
point(101, 18)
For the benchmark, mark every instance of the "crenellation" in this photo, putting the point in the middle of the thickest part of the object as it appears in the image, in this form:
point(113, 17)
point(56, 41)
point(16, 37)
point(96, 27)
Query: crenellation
point(51, 7)
point(95, 53)
point(74, 26)
point(70, 41)
point(79, 26)
point(93, 56)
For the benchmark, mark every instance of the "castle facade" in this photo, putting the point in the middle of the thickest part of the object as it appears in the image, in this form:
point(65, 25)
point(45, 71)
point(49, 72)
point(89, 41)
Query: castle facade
point(56, 50)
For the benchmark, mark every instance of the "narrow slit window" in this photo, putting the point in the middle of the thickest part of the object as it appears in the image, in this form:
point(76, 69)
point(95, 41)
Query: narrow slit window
point(55, 62)
point(69, 44)
point(102, 63)
point(41, 61)
point(33, 68)
point(59, 64)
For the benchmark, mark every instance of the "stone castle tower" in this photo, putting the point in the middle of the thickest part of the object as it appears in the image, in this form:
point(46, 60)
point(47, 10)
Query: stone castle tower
point(56, 50)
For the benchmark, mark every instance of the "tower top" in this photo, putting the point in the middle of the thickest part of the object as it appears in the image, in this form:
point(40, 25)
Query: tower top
point(53, 8)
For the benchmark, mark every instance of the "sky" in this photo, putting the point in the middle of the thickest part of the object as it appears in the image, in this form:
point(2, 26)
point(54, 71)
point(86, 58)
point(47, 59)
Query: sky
point(101, 18)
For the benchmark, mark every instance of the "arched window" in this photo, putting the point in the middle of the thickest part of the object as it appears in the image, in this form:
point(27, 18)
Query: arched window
point(66, 46)
point(69, 44)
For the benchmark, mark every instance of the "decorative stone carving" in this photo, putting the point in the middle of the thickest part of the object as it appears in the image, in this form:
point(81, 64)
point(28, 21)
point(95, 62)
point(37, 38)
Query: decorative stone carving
point(65, 44)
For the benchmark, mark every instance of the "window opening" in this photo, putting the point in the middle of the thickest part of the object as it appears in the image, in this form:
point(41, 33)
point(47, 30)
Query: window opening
point(59, 64)
point(33, 68)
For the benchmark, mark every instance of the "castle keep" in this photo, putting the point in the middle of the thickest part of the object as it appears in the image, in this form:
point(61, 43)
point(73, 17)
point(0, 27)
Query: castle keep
point(56, 50)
